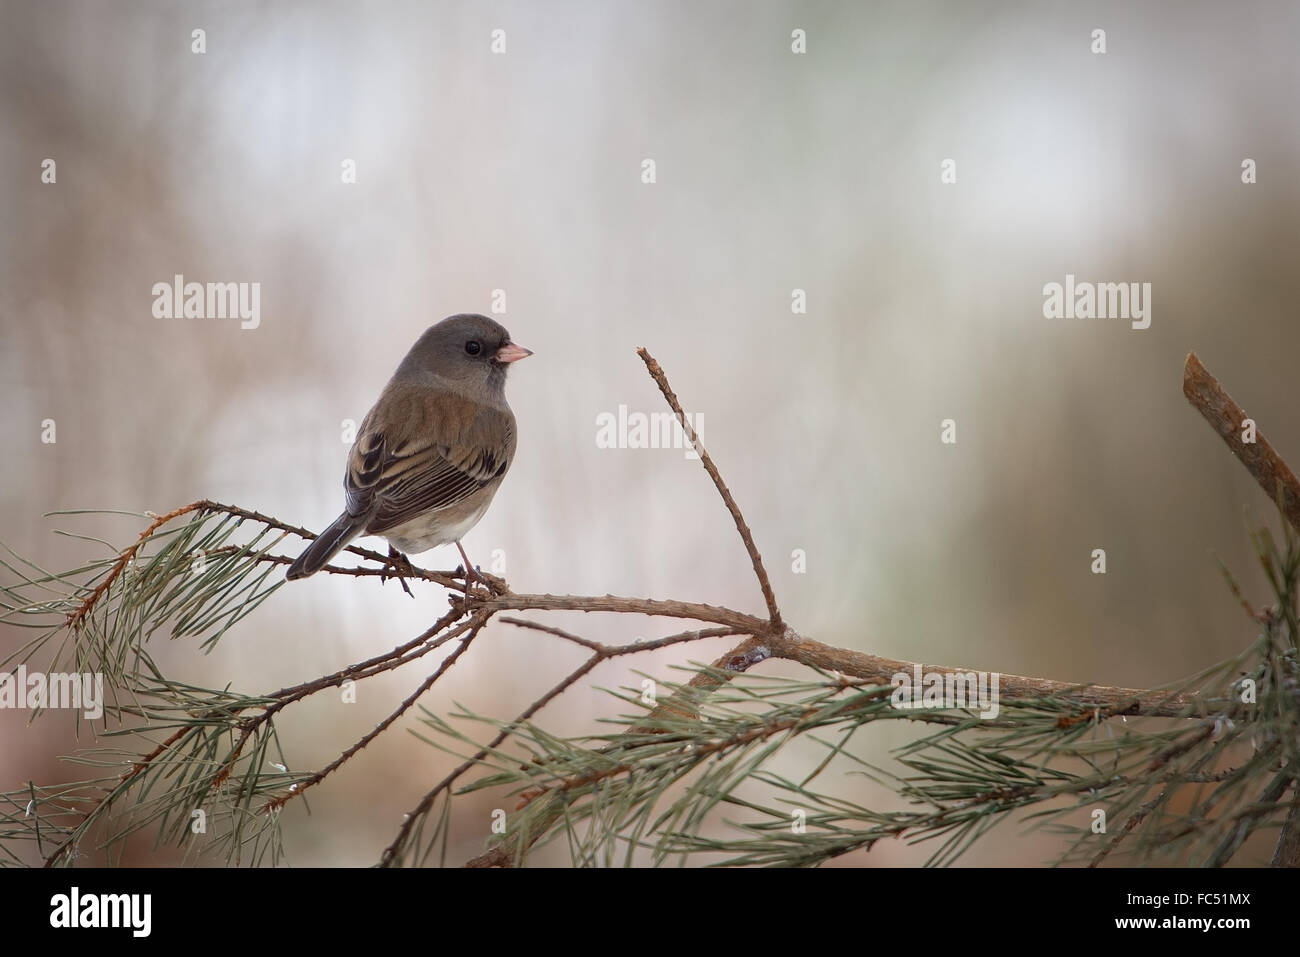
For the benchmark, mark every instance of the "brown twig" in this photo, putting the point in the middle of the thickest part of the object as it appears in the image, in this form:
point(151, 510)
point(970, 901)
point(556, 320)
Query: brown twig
point(661, 380)
point(1228, 419)
point(1095, 716)
point(276, 803)
point(794, 647)
point(447, 579)
point(419, 647)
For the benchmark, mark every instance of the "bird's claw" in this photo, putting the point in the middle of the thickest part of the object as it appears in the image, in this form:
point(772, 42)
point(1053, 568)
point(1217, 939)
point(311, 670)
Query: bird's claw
point(401, 566)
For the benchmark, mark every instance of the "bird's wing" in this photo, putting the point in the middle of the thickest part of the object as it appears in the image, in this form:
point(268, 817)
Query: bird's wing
point(431, 455)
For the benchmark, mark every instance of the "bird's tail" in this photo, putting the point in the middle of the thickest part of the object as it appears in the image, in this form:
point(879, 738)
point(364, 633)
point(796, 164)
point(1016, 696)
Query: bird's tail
point(327, 544)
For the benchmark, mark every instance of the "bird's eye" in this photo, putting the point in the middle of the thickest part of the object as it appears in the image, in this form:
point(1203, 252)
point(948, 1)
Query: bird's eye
point(473, 347)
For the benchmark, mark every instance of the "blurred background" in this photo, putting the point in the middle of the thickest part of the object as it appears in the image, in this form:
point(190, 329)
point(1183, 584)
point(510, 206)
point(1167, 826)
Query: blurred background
point(774, 171)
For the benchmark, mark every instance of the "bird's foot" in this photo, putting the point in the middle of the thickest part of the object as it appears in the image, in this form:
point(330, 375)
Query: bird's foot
point(402, 568)
point(494, 586)
point(470, 572)
point(472, 577)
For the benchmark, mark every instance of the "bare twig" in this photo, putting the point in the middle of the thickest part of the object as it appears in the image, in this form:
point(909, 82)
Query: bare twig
point(1228, 419)
point(661, 380)
point(443, 668)
point(287, 696)
point(794, 647)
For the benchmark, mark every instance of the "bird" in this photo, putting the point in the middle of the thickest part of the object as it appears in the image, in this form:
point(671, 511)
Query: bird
point(432, 452)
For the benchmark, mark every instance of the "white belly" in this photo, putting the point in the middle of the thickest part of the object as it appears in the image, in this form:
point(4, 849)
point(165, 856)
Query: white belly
point(430, 530)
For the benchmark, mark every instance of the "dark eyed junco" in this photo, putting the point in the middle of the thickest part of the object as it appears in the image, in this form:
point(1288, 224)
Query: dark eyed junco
point(432, 452)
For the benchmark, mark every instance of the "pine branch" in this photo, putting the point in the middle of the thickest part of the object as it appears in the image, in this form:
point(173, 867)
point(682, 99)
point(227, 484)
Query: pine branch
point(1056, 748)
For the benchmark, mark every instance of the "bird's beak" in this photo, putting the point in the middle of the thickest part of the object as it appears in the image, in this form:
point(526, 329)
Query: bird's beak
point(512, 353)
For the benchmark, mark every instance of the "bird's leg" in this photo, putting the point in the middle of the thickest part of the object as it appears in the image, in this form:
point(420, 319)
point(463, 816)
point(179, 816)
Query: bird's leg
point(401, 566)
point(470, 571)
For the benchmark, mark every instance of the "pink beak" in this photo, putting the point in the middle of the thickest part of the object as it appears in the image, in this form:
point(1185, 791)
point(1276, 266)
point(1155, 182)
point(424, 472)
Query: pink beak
point(512, 353)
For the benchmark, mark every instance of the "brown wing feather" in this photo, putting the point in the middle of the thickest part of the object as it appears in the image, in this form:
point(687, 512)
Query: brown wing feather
point(428, 458)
